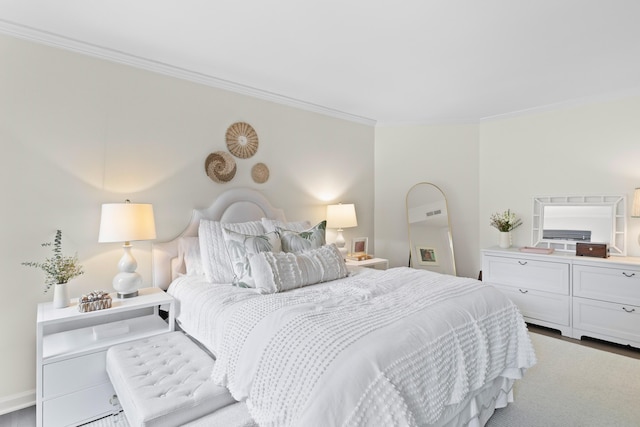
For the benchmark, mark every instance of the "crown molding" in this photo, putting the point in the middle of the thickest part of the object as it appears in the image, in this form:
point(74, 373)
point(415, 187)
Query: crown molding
point(100, 52)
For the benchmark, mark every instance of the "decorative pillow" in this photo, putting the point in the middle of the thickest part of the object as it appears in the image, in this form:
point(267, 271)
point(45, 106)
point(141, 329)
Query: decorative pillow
point(213, 248)
point(189, 254)
point(299, 241)
point(242, 247)
point(273, 224)
point(278, 272)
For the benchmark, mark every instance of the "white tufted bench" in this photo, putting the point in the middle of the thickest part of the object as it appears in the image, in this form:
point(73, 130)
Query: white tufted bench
point(164, 381)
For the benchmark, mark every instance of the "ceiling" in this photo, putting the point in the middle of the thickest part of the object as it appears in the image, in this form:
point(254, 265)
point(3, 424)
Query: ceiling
point(374, 61)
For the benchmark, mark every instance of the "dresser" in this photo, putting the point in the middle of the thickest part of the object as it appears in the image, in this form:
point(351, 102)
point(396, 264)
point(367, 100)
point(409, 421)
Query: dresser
point(579, 296)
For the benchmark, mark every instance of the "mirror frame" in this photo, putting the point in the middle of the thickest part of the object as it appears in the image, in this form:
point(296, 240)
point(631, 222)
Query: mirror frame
point(449, 227)
point(617, 246)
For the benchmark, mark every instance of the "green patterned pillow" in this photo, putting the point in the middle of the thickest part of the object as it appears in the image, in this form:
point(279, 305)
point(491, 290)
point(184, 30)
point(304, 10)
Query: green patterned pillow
point(241, 247)
point(300, 241)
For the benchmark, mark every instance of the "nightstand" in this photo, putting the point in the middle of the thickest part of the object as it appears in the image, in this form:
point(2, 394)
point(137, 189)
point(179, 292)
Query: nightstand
point(377, 263)
point(72, 383)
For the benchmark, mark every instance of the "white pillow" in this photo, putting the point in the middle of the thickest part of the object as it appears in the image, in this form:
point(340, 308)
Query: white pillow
point(213, 249)
point(189, 256)
point(282, 271)
point(242, 247)
point(271, 225)
point(299, 241)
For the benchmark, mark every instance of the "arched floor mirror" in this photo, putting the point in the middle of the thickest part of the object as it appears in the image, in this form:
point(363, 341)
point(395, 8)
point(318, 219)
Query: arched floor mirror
point(430, 239)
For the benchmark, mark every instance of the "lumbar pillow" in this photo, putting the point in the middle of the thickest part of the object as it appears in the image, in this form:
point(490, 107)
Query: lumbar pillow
point(299, 241)
point(282, 271)
point(241, 247)
point(213, 248)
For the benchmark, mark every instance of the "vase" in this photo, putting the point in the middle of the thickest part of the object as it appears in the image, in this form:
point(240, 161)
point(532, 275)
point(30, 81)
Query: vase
point(505, 239)
point(61, 295)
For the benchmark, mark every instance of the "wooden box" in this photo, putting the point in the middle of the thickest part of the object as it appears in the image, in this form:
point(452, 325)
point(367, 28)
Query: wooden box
point(598, 250)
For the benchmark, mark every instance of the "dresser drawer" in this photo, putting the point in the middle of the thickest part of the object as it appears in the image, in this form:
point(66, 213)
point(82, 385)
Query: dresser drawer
point(607, 320)
point(74, 374)
point(536, 305)
point(78, 407)
point(617, 285)
point(528, 274)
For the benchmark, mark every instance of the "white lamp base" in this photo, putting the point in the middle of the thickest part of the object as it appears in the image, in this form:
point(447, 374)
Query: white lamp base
point(340, 243)
point(127, 281)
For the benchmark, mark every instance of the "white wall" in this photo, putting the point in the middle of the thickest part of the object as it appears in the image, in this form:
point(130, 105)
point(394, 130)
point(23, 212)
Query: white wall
point(77, 132)
point(444, 155)
point(590, 150)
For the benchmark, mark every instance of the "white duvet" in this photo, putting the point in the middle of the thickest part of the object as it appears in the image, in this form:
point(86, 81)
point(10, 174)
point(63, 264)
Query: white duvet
point(393, 347)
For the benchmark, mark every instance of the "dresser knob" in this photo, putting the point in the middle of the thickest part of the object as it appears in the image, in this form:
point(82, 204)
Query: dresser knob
point(628, 275)
point(628, 311)
point(524, 292)
point(522, 262)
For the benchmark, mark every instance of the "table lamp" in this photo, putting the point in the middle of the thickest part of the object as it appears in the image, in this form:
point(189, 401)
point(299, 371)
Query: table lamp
point(341, 216)
point(127, 222)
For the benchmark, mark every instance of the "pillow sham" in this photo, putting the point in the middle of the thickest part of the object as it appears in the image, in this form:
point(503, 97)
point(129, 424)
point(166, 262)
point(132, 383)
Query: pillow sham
point(213, 248)
point(189, 255)
point(272, 225)
point(241, 247)
point(283, 271)
point(300, 241)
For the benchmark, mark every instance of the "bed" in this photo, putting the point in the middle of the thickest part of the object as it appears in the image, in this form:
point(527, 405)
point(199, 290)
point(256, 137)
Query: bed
point(315, 344)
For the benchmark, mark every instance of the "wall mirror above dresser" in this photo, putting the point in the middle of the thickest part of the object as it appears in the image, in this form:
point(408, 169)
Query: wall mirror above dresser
point(559, 222)
point(430, 238)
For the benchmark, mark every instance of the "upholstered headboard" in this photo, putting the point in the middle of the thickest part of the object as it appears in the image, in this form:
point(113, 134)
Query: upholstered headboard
point(234, 205)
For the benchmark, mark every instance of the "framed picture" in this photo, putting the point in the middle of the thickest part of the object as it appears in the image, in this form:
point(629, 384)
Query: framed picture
point(426, 256)
point(360, 245)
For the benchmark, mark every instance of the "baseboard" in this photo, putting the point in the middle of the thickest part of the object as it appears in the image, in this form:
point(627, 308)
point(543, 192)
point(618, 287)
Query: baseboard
point(17, 401)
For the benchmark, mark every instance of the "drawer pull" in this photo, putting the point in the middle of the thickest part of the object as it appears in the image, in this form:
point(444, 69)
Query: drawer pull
point(524, 292)
point(628, 275)
point(522, 262)
point(628, 311)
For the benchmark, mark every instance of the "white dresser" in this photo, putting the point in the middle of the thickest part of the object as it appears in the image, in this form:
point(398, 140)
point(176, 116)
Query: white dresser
point(579, 296)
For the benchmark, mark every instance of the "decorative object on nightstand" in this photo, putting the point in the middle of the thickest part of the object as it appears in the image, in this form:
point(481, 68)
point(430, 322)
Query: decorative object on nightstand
point(505, 222)
point(341, 216)
point(359, 249)
point(127, 222)
point(59, 270)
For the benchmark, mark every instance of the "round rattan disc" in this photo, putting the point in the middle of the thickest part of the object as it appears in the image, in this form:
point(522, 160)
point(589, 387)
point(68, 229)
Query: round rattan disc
point(242, 140)
point(220, 166)
point(260, 173)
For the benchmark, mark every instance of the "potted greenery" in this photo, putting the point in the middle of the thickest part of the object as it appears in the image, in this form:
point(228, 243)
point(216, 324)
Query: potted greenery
point(58, 269)
point(505, 222)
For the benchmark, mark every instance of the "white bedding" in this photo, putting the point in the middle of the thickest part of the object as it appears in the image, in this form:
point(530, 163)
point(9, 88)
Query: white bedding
point(395, 347)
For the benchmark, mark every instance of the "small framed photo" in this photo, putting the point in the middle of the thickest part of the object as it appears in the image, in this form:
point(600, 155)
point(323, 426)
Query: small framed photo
point(360, 245)
point(426, 256)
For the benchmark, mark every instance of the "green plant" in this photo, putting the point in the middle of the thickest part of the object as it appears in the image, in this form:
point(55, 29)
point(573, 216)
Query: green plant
point(505, 221)
point(59, 268)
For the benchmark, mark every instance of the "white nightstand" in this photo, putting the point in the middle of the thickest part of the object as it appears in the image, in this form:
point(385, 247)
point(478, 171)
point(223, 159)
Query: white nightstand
point(377, 263)
point(72, 383)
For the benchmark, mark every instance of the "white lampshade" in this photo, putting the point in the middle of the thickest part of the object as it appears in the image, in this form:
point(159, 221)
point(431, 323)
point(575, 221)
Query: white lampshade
point(127, 222)
point(341, 216)
point(635, 208)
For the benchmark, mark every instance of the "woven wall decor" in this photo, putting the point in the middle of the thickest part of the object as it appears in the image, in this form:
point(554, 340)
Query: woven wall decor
point(220, 166)
point(242, 140)
point(260, 173)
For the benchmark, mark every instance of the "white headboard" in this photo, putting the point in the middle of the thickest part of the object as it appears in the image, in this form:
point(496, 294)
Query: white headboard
point(234, 205)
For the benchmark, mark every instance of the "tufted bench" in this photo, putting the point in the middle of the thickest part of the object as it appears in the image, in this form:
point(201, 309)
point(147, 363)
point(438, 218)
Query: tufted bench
point(164, 380)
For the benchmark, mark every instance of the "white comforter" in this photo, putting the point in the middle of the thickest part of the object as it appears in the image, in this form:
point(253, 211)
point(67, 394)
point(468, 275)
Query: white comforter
point(377, 348)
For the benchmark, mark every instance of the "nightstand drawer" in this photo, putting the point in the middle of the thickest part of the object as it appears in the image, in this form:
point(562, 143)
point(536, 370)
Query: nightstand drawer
point(78, 407)
point(74, 374)
point(620, 285)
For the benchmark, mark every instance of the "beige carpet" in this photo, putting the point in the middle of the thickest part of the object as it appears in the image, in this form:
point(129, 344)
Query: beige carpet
point(573, 385)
